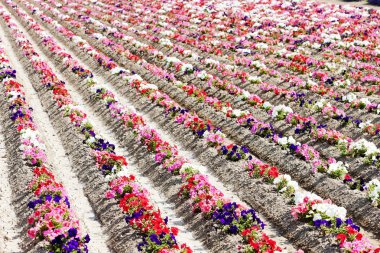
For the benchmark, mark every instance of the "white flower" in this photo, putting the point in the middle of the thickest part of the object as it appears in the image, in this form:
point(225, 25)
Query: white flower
point(117, 70)
point(254, 79)
point(166, 42)
point(238, 113)
point(316, 46)
point(229, 67)
point(212, 62)
point(281, 177)
point(262, 46)
point(186, 67)
point(311, 83)
point(341, 83)
point(320, 104)
point(338, 166)
point(282, 141)
point(172, 60)
point(365, 101)
point(243, 51)
point(331, 66)
point(267, 105)
point(188, 166)
point(349, 97)
point(167, 33)
point(90, 140)
point(281, 110)
point(202, 75)
point(299, 196)
point(291, 140)
point(368, 148)
point(225, 109)
point(317, 216)
point(98, 36)
point(289, 182)
point(293, 184)
point(331, 210)
point(281, 52)
point(373, 191)
point(245, 94)
point(187, 52)
point(258, 65)
point(366, 124)
point(215, 42)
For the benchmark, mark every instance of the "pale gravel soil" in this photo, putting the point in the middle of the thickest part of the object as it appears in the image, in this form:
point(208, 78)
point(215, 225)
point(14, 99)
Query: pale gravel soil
point(9, 231)
point(161, 202)
point(63, 169)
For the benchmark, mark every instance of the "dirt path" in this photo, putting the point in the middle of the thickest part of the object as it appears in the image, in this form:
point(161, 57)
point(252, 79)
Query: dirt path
point(9, 233)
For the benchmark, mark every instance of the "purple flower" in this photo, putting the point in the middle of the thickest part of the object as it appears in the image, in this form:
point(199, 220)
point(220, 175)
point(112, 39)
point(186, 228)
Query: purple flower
point(87, 239)
point(72, 232)
point(154, 238)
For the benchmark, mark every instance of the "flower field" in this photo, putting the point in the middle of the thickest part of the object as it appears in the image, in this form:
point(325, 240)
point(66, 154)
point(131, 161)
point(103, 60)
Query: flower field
point(189, 126)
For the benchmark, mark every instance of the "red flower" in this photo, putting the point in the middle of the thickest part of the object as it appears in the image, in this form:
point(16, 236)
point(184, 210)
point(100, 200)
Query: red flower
point(359, 236)
point(347, 177)
point(273, 172)
point(174, 231)
point(342, 238)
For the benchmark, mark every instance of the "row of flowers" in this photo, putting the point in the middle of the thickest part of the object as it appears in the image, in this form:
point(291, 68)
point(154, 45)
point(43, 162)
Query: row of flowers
point(281, 112)
point(52, 219)
point(133, 199)
point(310, 208)
point(164, 28)
point(205, 197)
point(287, 185)
point(267, 32)
point(331, 167)
point(322, 106)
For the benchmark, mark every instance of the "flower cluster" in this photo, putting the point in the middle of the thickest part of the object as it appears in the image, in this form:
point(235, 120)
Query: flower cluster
point(140, 214)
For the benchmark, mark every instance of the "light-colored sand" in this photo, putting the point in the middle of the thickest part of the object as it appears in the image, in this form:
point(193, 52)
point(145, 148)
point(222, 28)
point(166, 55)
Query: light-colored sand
point(9, 233)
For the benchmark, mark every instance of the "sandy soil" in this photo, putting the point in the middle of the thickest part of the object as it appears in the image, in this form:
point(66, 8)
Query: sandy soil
point(9, 232)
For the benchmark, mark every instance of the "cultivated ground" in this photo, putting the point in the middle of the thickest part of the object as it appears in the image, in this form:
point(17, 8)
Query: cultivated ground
point(186, 126)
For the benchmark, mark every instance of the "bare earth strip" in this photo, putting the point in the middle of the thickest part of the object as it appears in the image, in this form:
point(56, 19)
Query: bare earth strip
point(9, 232)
